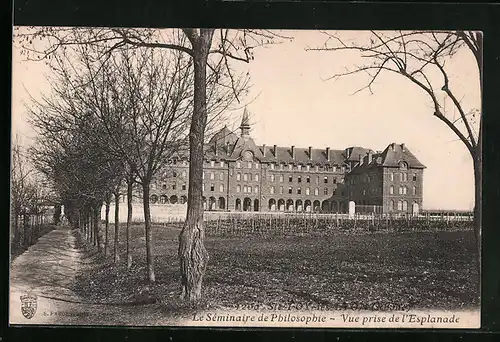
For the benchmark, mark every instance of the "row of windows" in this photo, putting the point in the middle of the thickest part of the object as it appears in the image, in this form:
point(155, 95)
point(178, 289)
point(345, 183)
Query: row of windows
point(401, 205)
point(212, 175)
point(297, 167)
point(212, 187)
point(247, 176)
point(272, 190)
point(403, 177)
point(173, 186)
point(272, 178)
point(247, 189)
point(402, 190)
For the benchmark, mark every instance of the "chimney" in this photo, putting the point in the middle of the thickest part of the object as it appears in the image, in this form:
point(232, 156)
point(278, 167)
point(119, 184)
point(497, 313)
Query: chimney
point(370, 156)
point(403, 147)
point(264, 150)
point(293, 152)
point(360, 159)
point(392, 146)
point(310, 152)
point(328, 153)
point(275, 151)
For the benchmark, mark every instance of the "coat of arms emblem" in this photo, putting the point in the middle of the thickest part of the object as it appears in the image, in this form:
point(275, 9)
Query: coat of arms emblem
point(28, 305)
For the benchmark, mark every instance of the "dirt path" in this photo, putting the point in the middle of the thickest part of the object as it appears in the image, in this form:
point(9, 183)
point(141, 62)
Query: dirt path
point(47, 270)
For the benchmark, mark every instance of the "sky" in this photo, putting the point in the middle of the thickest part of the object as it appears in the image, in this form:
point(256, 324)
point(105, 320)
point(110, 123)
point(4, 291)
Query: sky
point(292, 103)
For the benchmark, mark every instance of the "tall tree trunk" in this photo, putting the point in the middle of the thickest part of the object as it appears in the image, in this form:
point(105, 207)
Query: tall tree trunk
point(17, 233)
point(192, 253)
point(97, 219)
point(149, 233)
point(106, 226)
point(91, 227)
point(117, 227)
point(130, 184)
point(478, 179)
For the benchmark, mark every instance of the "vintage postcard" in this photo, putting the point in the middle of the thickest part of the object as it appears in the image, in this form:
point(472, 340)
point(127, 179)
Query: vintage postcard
point(246, 178)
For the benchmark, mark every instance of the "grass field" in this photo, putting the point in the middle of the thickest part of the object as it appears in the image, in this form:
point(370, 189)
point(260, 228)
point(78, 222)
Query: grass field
point(373, 271)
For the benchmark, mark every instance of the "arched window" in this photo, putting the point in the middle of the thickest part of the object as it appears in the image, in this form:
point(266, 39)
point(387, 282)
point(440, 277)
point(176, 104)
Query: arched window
point(299, 191)
point(249, 165)
point(282, 179)
point(271, 177)
point(414, 190)
point(221, 188)
point(405, 205)
point(281, 190)
point(391, 205)
point(391, 190)
point(221, 176)
point(238, 164)
point(401, 176)
point(308, 190)
point(245, 177)
point(325, 192)
point(400, 190)
point(316, 192)
point(238, 188)
point(256, 177)
point(299, 179)
point(245, 189)
point(391, 176)
point(256, 189)
point(238, 176)
point(212, 175)
point(271, 189)
point(400, 205)
point(290, 190)
point(405, 190)
point(290, 179)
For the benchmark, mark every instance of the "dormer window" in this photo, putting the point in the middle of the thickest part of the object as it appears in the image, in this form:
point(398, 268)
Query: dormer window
point(403, 165)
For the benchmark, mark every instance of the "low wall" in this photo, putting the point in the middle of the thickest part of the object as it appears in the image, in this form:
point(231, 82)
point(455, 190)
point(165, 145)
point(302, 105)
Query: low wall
point(160, 213)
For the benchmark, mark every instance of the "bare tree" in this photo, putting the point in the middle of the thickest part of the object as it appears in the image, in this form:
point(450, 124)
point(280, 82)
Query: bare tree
point(421, 57)
point(210, 51)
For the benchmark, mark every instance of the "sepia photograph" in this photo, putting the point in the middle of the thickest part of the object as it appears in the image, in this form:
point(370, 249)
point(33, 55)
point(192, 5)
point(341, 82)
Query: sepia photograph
point(245, 178)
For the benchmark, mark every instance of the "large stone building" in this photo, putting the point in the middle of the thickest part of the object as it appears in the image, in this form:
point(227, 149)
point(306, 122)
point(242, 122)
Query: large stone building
point(242, 176)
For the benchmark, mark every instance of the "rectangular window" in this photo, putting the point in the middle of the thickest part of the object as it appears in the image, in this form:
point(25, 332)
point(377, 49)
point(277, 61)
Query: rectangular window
point(221, 188)
point(299, 191)
point(299, 179)
point(221, 176)
point(256, 189)
point(290, 179)
point(212, 175)
point(212, 187)
point(249, 165)
point(238, 164)
point(308, 167)
point(256, 178)
point(307, 191)
point(271, 166)
point(173, 186)
point(308, 179)
point(414, 177)
point(282, 179)
point(316, 192)
point(221, 164)
point(281, 190)
point(212, 163)
point(334, 180)
point(325, 180)
point(271, 178)
point(256, 165)
point(203, 187)
point(325, 192)
point(282, 166)
point(183, 186)
point(245, 177)
point(391, 176)
point(290, 190)
point(299, 167)
point(334, 168)
point(271, 190)
point(290, 166)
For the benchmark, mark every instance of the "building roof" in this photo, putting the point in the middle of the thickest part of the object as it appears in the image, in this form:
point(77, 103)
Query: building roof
point(392, 156)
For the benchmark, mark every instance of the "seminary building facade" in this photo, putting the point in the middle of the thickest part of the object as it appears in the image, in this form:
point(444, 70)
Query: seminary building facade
point(242, 176)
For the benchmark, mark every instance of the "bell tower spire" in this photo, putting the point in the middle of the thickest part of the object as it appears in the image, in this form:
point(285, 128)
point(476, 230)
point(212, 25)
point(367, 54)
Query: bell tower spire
point(245, 123)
